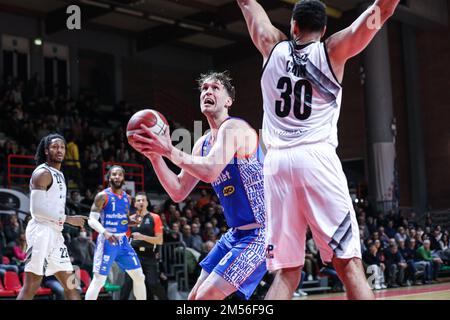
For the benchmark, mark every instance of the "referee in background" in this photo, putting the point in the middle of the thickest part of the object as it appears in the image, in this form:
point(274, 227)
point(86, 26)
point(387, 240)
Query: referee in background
point(145, 238)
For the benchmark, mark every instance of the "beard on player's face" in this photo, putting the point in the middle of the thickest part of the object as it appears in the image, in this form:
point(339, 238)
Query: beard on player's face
point(116, 185)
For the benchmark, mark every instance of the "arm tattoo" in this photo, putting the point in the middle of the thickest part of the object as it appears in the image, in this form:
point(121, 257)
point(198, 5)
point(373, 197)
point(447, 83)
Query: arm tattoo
point(99, 201)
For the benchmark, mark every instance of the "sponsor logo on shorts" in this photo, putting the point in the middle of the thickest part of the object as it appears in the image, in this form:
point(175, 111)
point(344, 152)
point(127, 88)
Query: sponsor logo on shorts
point(269, 251)
point(106, 258)
point(228, 191)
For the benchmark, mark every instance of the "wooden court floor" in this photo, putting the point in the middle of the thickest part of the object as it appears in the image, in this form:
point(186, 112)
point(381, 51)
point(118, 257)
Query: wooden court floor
point(438, 291)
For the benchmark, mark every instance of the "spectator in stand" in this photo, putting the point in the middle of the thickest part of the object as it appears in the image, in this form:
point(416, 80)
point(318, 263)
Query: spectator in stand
point(389, 229)
point(443, 243)
point(81, 250)
point(330, 271)
point(362, 242)
point(72, 162)
point(206, 248)
point(204, 199)
point(188, 215)
point(435, 238)
point(183, 222)
point(187, 235)
point(384, 238)
point(362, 225)
point(414, 266)
point(412, 223)
point(166, 227)
point(371, 225)
point(419, 236)
point(371, 259)
point(74, 203)
point(174, 234)
point(88, 199)
point(428, 221)
point(215, 228)
point(395, 266)
point(20, 249)
point(311, 257)
point(196, 237)
point(424, 254)
point(13, 229)
point(401, 234)
point(175, 217)
point(207, 230)
point(412, 233)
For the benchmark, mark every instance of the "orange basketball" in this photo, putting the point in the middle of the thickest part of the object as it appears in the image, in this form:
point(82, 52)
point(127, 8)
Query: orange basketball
point(148, 117)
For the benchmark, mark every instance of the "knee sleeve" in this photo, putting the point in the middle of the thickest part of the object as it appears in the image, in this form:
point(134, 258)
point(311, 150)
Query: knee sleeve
point(136, 275)
point(138, 278)
point(94, 288)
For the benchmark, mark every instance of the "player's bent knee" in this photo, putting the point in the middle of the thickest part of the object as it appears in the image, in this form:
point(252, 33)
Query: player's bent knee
point(136, 275)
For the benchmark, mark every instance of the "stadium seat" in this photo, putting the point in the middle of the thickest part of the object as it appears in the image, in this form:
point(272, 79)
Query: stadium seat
point(85, 279)
point(12, 282)
point(41, 291)
point(6, 293)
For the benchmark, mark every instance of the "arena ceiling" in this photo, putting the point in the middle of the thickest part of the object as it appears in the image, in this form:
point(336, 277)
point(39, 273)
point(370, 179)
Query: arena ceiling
point(203, 24)
point(208, 24)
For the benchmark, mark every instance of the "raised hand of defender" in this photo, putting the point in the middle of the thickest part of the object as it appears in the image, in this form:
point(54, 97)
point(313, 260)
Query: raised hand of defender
point(77, 221)
point(149, 142)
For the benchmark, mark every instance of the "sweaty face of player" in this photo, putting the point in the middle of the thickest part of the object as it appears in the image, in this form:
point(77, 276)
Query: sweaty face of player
point(141, 203)
point(117, 178)
point(56, 151)
point(214, 97)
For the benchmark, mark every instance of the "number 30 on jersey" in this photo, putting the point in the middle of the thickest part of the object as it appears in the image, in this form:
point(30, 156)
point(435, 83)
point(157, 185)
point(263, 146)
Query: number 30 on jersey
point(302, 101)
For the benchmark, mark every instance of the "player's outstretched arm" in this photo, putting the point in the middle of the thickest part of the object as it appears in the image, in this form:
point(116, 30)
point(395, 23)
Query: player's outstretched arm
point(264, 35)
point(349, 42)
point(97, 207)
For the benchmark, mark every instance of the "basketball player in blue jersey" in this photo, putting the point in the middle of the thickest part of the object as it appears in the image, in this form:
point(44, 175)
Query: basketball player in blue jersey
point(112, 207)
point(305, 185)
point(230, 159)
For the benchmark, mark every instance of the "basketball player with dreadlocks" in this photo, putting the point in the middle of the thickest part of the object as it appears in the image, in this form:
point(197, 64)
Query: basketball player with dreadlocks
point(46, 252)
point(304, 183)
point(112, 207)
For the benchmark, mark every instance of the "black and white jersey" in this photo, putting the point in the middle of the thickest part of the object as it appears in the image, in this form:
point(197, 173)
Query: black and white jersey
point(301, 96)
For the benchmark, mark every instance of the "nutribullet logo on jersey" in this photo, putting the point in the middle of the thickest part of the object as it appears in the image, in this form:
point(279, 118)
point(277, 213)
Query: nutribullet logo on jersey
point(228, 191)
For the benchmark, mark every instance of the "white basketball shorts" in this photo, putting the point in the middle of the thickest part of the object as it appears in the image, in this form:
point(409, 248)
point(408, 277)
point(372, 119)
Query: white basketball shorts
point(46, 252)
point(306, 186)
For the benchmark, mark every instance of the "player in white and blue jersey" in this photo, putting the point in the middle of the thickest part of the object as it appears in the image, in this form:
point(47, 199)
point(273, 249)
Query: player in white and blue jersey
point(229, 158)
point(112, 207)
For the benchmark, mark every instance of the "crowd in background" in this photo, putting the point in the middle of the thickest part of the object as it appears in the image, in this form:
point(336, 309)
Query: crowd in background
point(94, 133)
point(397, 250)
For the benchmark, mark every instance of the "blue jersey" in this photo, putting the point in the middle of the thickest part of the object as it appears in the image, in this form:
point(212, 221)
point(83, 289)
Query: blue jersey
point(115, 212)
point(240, 188)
